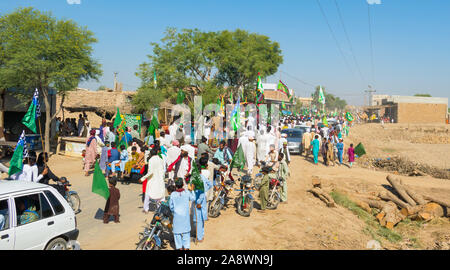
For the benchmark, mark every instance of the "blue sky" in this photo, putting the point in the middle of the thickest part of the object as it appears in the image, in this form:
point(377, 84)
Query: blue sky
point(411, 39)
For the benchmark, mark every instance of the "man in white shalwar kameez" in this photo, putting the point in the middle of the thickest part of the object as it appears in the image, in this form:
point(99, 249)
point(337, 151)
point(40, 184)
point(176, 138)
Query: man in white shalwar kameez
point(250, 154)
point(261, 141)
point(172, 154)
point(156, 189)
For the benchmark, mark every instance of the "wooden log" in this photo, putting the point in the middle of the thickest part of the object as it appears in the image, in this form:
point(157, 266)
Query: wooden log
point(414, 195)
point(393, 215)
point(375, 204)
point(443, 203)
point(380, 216)
point(430, 211)
point(316, 182)
point(389, 196)
point(411, 210)
point(363, 205)
point(399, 188)
point(323, 196)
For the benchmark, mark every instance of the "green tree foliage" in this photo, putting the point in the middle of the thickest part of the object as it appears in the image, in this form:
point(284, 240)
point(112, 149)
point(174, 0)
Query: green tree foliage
point(38, 51)
point(207, 64)
point(422, 95)
point(331, 102)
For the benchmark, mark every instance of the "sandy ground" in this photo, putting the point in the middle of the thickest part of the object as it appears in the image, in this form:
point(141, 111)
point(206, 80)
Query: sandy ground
point(303, 223)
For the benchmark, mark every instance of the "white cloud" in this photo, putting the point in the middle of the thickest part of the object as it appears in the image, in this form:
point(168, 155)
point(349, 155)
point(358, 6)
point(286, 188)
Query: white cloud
point(72, 2)
point(372, 2)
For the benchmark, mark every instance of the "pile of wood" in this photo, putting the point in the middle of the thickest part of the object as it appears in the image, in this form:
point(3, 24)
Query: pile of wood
point(399, 203)
point(319, 193)
point(404, 166)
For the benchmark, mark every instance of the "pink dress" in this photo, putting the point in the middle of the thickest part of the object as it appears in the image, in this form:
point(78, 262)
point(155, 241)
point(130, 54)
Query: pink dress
point(351, 155)
point(91, 155)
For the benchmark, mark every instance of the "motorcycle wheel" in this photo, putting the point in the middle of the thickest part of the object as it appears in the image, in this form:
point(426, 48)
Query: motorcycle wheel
point(214, 210)
point(75, 202)
point(150, 245)
point(272, 204)
point(244, 209)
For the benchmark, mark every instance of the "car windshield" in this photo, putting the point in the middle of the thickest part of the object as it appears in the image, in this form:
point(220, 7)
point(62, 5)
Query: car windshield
point(293, 133)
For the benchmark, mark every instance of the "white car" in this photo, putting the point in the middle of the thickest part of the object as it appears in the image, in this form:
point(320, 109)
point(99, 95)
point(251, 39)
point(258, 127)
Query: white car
point(34, 216)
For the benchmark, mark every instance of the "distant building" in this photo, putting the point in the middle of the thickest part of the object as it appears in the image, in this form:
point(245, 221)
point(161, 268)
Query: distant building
point(273, 96)
point(411, 109)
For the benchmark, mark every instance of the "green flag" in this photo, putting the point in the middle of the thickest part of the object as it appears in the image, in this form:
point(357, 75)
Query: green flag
point(283, 106)
point(118, 119)
point(359, 150)
point(349, 117)
point(34, 111)
point(154, 124)
point(99, 185)
point(16, 163)
point(238, 160)
point(236, 115)
point(259, 90)
point(321, 96)
point(154, 79)
point(180, 97)
point(196, 179)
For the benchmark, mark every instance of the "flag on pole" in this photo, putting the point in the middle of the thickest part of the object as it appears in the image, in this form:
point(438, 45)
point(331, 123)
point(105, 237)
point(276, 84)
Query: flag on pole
point(238, 160)
point(236, 115)
point(99, 185)
point(231, 97)
point(321, 96)
point(283, 106)
point(154, 124)
point(259, 90)
point(34, 111)
point(180, 96)
point(222, 106)
point(155, 84)
point(20, 152)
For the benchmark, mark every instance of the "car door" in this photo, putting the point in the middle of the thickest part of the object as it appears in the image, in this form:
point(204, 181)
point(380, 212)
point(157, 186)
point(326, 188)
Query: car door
point(34, 228)
point(6, 224)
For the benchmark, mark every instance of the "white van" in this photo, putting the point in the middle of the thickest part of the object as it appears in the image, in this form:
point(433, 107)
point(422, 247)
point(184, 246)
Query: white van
point(34, 216)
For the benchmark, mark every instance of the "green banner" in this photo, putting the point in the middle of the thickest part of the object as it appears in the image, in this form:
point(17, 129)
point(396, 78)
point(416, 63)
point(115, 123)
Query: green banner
point(133, 119)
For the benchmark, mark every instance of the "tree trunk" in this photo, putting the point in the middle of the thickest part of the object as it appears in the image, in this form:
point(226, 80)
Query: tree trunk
point(446, 204)
point(431, 210)
point(393, 215)
point(323, 196)
point(389, 196)
point(47, 121)
point(396, 184)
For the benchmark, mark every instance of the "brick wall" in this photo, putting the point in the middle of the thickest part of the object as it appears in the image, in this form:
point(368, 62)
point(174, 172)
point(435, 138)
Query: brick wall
point(421, 113)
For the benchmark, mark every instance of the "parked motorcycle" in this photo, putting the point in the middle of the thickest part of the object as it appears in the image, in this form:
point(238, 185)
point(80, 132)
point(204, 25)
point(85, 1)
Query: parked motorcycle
point(220, 197)
point(244, 202)
point(150, 238)
point(71, 196)
point(274, 193)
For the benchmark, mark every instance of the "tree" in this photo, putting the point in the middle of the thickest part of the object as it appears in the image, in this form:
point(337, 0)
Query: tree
point(38, 51)
point(331, 102)
point(422, 95)
point(208, 63)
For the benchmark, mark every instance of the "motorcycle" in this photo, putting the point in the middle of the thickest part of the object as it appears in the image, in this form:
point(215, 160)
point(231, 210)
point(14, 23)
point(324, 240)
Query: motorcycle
point(244, 202)
point(150, 238)
point(274, 193)
point(220, 196)
point(71, 196)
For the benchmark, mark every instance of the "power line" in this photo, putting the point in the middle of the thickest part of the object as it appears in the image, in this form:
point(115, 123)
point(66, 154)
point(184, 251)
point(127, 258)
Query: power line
point(371, 43)
point(348, 40)
point(333, 35)
point(295, 78)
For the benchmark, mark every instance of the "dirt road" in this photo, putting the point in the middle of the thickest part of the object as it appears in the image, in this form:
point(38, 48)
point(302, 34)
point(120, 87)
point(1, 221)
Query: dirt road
point(303, 223)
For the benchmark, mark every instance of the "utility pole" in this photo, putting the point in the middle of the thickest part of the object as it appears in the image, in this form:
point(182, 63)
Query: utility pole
point(370, 92)
point(115, 81)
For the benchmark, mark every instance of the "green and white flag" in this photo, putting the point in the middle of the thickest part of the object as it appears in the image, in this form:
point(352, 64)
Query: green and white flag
point(154, 124)
point(321, 96)
point(236, 115)
point(20, 152)
point(154, 79)
point(34, 111)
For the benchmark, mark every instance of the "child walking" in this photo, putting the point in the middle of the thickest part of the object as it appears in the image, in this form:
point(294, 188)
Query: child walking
point(112, 204)
point(351, 155)
point(179, 205)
